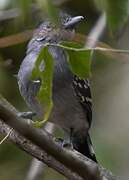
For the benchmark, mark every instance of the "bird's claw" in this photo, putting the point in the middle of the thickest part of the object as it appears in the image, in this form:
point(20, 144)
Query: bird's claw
point(64, 143)
point(27, 115)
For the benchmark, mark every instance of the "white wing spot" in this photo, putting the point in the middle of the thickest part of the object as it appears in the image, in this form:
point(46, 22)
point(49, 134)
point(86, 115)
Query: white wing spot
point(82, 99)
point(88, 99)
point(75, 82)
point(79, 84)
point(85, 86)
point(36, 81)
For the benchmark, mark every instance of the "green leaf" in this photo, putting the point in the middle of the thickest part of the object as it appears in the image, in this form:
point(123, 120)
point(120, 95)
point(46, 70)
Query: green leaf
point(117, 12)
point(43, 69)
point(79, 59)
point(80, 62)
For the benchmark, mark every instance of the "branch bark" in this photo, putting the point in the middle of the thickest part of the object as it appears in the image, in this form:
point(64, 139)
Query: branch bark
point(38, 167)
point(41, 145)
point(35, 151)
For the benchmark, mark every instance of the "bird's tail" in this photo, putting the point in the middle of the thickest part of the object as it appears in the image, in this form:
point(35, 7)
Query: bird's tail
point(85, 147)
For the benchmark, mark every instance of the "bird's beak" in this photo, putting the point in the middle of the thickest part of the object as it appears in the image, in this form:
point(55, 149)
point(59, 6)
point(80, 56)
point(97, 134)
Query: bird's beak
point(73, 21)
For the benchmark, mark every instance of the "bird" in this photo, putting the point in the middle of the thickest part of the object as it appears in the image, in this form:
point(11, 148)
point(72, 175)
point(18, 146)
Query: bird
point(71, 95)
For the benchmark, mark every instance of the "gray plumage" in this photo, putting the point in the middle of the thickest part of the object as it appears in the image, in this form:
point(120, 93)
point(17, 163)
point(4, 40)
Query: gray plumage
point(72, 109)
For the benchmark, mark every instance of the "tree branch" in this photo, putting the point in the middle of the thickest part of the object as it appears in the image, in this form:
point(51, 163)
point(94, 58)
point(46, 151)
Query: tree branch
point(41, 145)
point(46, 142)
point(36, 152)
point(37, 167)
point(96, 32)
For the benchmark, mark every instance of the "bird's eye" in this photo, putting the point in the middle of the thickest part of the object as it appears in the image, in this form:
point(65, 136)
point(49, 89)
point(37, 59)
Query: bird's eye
point(67, 20)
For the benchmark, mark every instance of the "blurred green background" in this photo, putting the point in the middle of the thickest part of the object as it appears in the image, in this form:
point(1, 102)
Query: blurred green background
point(110, 87)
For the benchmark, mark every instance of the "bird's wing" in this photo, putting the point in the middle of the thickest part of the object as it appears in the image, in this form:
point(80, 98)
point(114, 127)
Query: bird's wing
point(82, 91)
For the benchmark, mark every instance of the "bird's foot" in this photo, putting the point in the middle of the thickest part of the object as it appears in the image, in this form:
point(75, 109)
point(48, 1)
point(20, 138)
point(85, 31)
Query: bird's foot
point(27, 115)
point(59, 141)
point(67, 144)
point(64, 143)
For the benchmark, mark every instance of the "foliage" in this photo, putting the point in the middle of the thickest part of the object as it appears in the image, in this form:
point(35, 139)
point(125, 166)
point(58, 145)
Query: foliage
point(117, 13)
point(43, 70)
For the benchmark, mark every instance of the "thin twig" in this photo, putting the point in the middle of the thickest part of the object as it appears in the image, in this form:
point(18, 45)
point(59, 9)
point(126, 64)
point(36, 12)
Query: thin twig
point(15, 39)
point(9, 14)
point(121, 51)
point(6, 137)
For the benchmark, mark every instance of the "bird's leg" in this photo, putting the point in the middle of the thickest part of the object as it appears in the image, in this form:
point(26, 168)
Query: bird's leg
point(59, 141)
point(27, 115)
point(67, 142)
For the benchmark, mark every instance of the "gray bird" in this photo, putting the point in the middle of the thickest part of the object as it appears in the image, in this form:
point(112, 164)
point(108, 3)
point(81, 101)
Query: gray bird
point(72, 110)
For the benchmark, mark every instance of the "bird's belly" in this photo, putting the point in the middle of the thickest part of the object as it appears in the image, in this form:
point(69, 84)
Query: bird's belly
point(67, 111)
